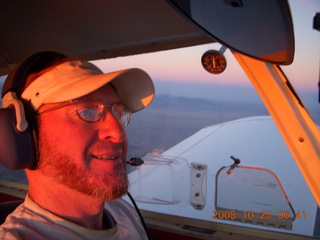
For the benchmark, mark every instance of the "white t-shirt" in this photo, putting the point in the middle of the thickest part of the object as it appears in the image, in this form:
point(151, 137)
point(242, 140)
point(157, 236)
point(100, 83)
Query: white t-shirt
point(30, 221)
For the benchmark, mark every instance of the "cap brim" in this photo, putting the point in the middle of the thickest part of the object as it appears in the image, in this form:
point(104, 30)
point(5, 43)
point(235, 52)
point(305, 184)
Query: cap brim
point(133, 86)
point(72, 80)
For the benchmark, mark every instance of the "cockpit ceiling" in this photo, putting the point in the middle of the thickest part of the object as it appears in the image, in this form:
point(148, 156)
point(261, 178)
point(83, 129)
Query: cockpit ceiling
point(91, 29)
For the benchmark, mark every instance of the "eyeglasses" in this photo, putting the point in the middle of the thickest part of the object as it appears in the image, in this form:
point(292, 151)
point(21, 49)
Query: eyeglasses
point(92, 111)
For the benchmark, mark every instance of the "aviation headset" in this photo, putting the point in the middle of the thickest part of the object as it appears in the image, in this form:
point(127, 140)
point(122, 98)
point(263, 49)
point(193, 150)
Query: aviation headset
point(19, 130)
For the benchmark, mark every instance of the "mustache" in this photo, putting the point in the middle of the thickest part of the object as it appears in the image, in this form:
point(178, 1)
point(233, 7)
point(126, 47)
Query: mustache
point(111, 147)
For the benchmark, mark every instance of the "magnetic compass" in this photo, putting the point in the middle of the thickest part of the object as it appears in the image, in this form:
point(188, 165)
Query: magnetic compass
point(214, 62)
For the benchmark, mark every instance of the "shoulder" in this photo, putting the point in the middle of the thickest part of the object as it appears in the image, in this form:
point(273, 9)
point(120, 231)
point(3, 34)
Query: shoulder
point(9, 234)
point(118, 203)
point(121, 207)
point(9, 229)
point(27, 221)
point(126, 218)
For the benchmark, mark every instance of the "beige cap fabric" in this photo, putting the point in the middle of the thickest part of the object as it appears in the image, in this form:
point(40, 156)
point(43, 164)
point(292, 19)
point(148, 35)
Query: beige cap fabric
point(73, 79)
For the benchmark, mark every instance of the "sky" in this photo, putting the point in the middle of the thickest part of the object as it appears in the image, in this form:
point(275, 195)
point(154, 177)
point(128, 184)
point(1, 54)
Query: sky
point(183, 65)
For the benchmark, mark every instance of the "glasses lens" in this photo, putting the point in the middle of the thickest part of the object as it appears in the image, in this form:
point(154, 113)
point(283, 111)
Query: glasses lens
point(91, 111)
point(122, 113)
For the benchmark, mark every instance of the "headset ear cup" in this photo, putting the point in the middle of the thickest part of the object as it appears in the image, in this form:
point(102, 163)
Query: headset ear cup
point(17, 148)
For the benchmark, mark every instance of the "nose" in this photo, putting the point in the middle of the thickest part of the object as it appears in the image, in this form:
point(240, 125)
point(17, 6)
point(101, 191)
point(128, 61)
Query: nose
point(111, 129)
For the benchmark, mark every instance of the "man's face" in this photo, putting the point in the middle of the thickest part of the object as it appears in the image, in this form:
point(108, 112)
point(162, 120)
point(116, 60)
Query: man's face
point(87, 157)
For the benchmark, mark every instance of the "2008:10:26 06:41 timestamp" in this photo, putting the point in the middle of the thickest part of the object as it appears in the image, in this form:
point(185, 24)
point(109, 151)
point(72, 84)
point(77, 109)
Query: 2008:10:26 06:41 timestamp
point(265, 214)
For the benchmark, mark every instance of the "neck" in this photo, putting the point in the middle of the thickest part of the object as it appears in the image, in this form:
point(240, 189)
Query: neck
point(65, 202)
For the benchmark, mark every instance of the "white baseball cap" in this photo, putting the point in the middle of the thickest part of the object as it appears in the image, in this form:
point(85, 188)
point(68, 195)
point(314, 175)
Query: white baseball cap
point(74, 79)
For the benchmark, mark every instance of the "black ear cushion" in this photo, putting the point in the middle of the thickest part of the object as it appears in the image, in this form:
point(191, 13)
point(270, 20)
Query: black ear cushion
point(17, 150)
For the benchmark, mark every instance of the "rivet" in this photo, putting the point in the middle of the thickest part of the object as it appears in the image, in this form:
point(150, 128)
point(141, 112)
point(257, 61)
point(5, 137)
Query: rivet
point(301, 139)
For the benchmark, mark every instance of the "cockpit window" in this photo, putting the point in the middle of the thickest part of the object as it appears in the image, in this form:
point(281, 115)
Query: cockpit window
point(253, 195)
point(304, 72)
point(188, 98)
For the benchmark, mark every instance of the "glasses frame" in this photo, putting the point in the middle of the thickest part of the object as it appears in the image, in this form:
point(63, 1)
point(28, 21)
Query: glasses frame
point(74, 101)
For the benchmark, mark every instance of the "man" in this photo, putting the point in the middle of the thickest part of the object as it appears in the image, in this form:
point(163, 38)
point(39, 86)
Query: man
point(75, 189)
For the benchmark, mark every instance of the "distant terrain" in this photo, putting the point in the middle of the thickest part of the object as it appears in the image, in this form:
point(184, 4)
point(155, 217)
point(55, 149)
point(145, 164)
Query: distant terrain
point(171, 119)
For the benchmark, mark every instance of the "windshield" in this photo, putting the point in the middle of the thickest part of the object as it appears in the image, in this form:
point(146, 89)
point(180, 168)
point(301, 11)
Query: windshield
point(188, 98)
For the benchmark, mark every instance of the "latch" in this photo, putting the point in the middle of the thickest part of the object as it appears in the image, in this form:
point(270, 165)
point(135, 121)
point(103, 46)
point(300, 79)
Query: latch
point(198, 191)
